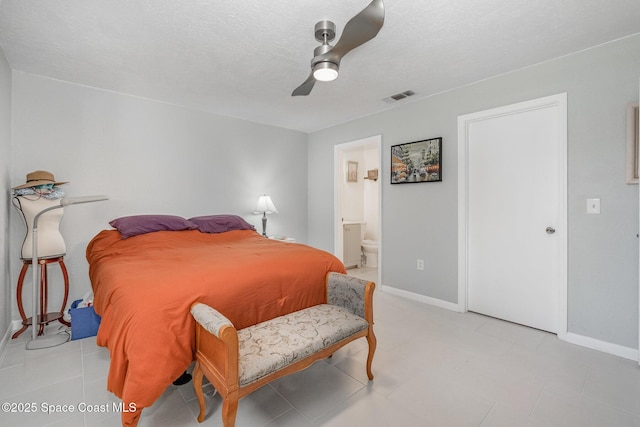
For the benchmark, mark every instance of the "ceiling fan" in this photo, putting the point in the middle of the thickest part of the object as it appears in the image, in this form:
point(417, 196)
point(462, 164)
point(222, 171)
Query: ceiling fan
point(326, 58)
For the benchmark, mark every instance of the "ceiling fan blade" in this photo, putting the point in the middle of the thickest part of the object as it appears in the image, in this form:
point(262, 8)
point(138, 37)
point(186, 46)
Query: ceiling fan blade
point(360, 29)
point(305, 88)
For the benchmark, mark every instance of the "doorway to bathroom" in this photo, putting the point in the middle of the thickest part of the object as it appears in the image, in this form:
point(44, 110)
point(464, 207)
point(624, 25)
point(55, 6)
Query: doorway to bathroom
point(358, 207)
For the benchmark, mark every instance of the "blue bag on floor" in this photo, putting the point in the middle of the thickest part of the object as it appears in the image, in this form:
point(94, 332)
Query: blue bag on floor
point(84, 321)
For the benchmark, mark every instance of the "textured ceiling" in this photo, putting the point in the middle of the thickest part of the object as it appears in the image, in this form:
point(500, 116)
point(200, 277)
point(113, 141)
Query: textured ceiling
point(243, 58)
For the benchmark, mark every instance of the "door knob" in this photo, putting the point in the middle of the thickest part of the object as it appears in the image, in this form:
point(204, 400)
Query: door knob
point(550, 230)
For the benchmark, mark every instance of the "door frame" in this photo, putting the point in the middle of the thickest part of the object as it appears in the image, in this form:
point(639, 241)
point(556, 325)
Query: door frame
point(559, 102)
point(337, 195)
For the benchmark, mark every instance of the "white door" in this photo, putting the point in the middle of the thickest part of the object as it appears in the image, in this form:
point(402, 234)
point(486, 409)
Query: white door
point(516, 212)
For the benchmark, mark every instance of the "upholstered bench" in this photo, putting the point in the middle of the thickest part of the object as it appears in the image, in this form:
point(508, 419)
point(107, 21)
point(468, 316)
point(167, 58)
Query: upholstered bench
point(237, 362)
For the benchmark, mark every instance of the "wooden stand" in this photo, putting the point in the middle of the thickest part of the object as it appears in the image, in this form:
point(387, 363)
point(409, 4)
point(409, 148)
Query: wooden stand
point(44, 318)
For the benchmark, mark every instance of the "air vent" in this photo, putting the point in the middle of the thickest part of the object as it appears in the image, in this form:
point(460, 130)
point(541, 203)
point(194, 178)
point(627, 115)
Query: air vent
point(399, 96)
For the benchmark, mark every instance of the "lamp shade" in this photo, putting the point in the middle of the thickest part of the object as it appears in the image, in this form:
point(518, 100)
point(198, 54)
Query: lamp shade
point(265, 205)
point(66, 201)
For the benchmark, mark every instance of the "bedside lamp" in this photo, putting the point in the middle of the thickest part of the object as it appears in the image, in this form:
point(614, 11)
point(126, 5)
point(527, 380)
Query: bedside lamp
point(265, 206)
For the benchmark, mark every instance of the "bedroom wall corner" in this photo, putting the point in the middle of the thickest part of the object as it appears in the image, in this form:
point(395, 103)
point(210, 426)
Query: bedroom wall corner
point(149, 157)
point(5, 184)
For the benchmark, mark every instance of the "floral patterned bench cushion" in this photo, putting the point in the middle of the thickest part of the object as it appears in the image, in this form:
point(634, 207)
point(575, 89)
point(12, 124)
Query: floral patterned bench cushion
point(347, 291)
point(272, 345)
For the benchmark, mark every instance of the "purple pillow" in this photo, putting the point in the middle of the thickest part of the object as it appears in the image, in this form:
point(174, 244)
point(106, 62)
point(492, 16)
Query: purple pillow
point(133, 225)
point(221, 223)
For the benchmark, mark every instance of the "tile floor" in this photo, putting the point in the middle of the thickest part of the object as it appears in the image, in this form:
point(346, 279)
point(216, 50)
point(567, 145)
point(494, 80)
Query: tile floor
point(433, 367)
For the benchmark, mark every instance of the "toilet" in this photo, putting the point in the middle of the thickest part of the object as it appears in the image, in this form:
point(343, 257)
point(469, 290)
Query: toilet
point(370, 251)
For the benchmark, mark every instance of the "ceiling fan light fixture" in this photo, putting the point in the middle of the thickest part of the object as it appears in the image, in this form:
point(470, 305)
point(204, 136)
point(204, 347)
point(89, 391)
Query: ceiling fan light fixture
point(325, 71)
point(326, 58)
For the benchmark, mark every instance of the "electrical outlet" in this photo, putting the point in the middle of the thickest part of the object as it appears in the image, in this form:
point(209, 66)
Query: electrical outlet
point(593, 206)
point(420, 265)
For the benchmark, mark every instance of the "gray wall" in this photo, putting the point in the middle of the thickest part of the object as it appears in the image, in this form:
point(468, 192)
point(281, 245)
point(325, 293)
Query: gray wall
point(148, 157)
point(5, 166)
point(420, 221)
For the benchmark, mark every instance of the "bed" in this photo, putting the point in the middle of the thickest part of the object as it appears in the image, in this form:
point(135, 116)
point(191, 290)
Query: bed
point(144, 285)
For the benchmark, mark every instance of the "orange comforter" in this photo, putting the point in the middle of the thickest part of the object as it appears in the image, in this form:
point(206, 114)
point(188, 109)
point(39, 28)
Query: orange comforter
point(145, 285)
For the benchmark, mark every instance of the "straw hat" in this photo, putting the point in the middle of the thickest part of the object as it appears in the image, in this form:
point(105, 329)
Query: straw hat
point(36, 178)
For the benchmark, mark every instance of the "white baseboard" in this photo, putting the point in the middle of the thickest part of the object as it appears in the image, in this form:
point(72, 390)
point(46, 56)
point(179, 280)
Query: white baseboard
point(606, 347)
point(421, 298)
point(592, 343)
point(14, 325)
point(4, 341)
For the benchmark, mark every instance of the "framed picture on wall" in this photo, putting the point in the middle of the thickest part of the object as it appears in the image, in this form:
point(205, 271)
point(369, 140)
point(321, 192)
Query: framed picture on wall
point(352, 171)
point(419, 161)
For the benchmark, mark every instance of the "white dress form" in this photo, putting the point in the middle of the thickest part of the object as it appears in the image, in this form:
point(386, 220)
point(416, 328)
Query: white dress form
point(50, 241)
point(51, 249)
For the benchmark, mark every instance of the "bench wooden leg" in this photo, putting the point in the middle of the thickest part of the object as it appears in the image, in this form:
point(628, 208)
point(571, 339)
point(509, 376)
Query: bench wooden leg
point(371, 339)
point(230, 409)
point(197, 386)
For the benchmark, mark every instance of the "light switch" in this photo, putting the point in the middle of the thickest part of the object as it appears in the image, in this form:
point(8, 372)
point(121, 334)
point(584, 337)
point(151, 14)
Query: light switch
point(593, 206)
